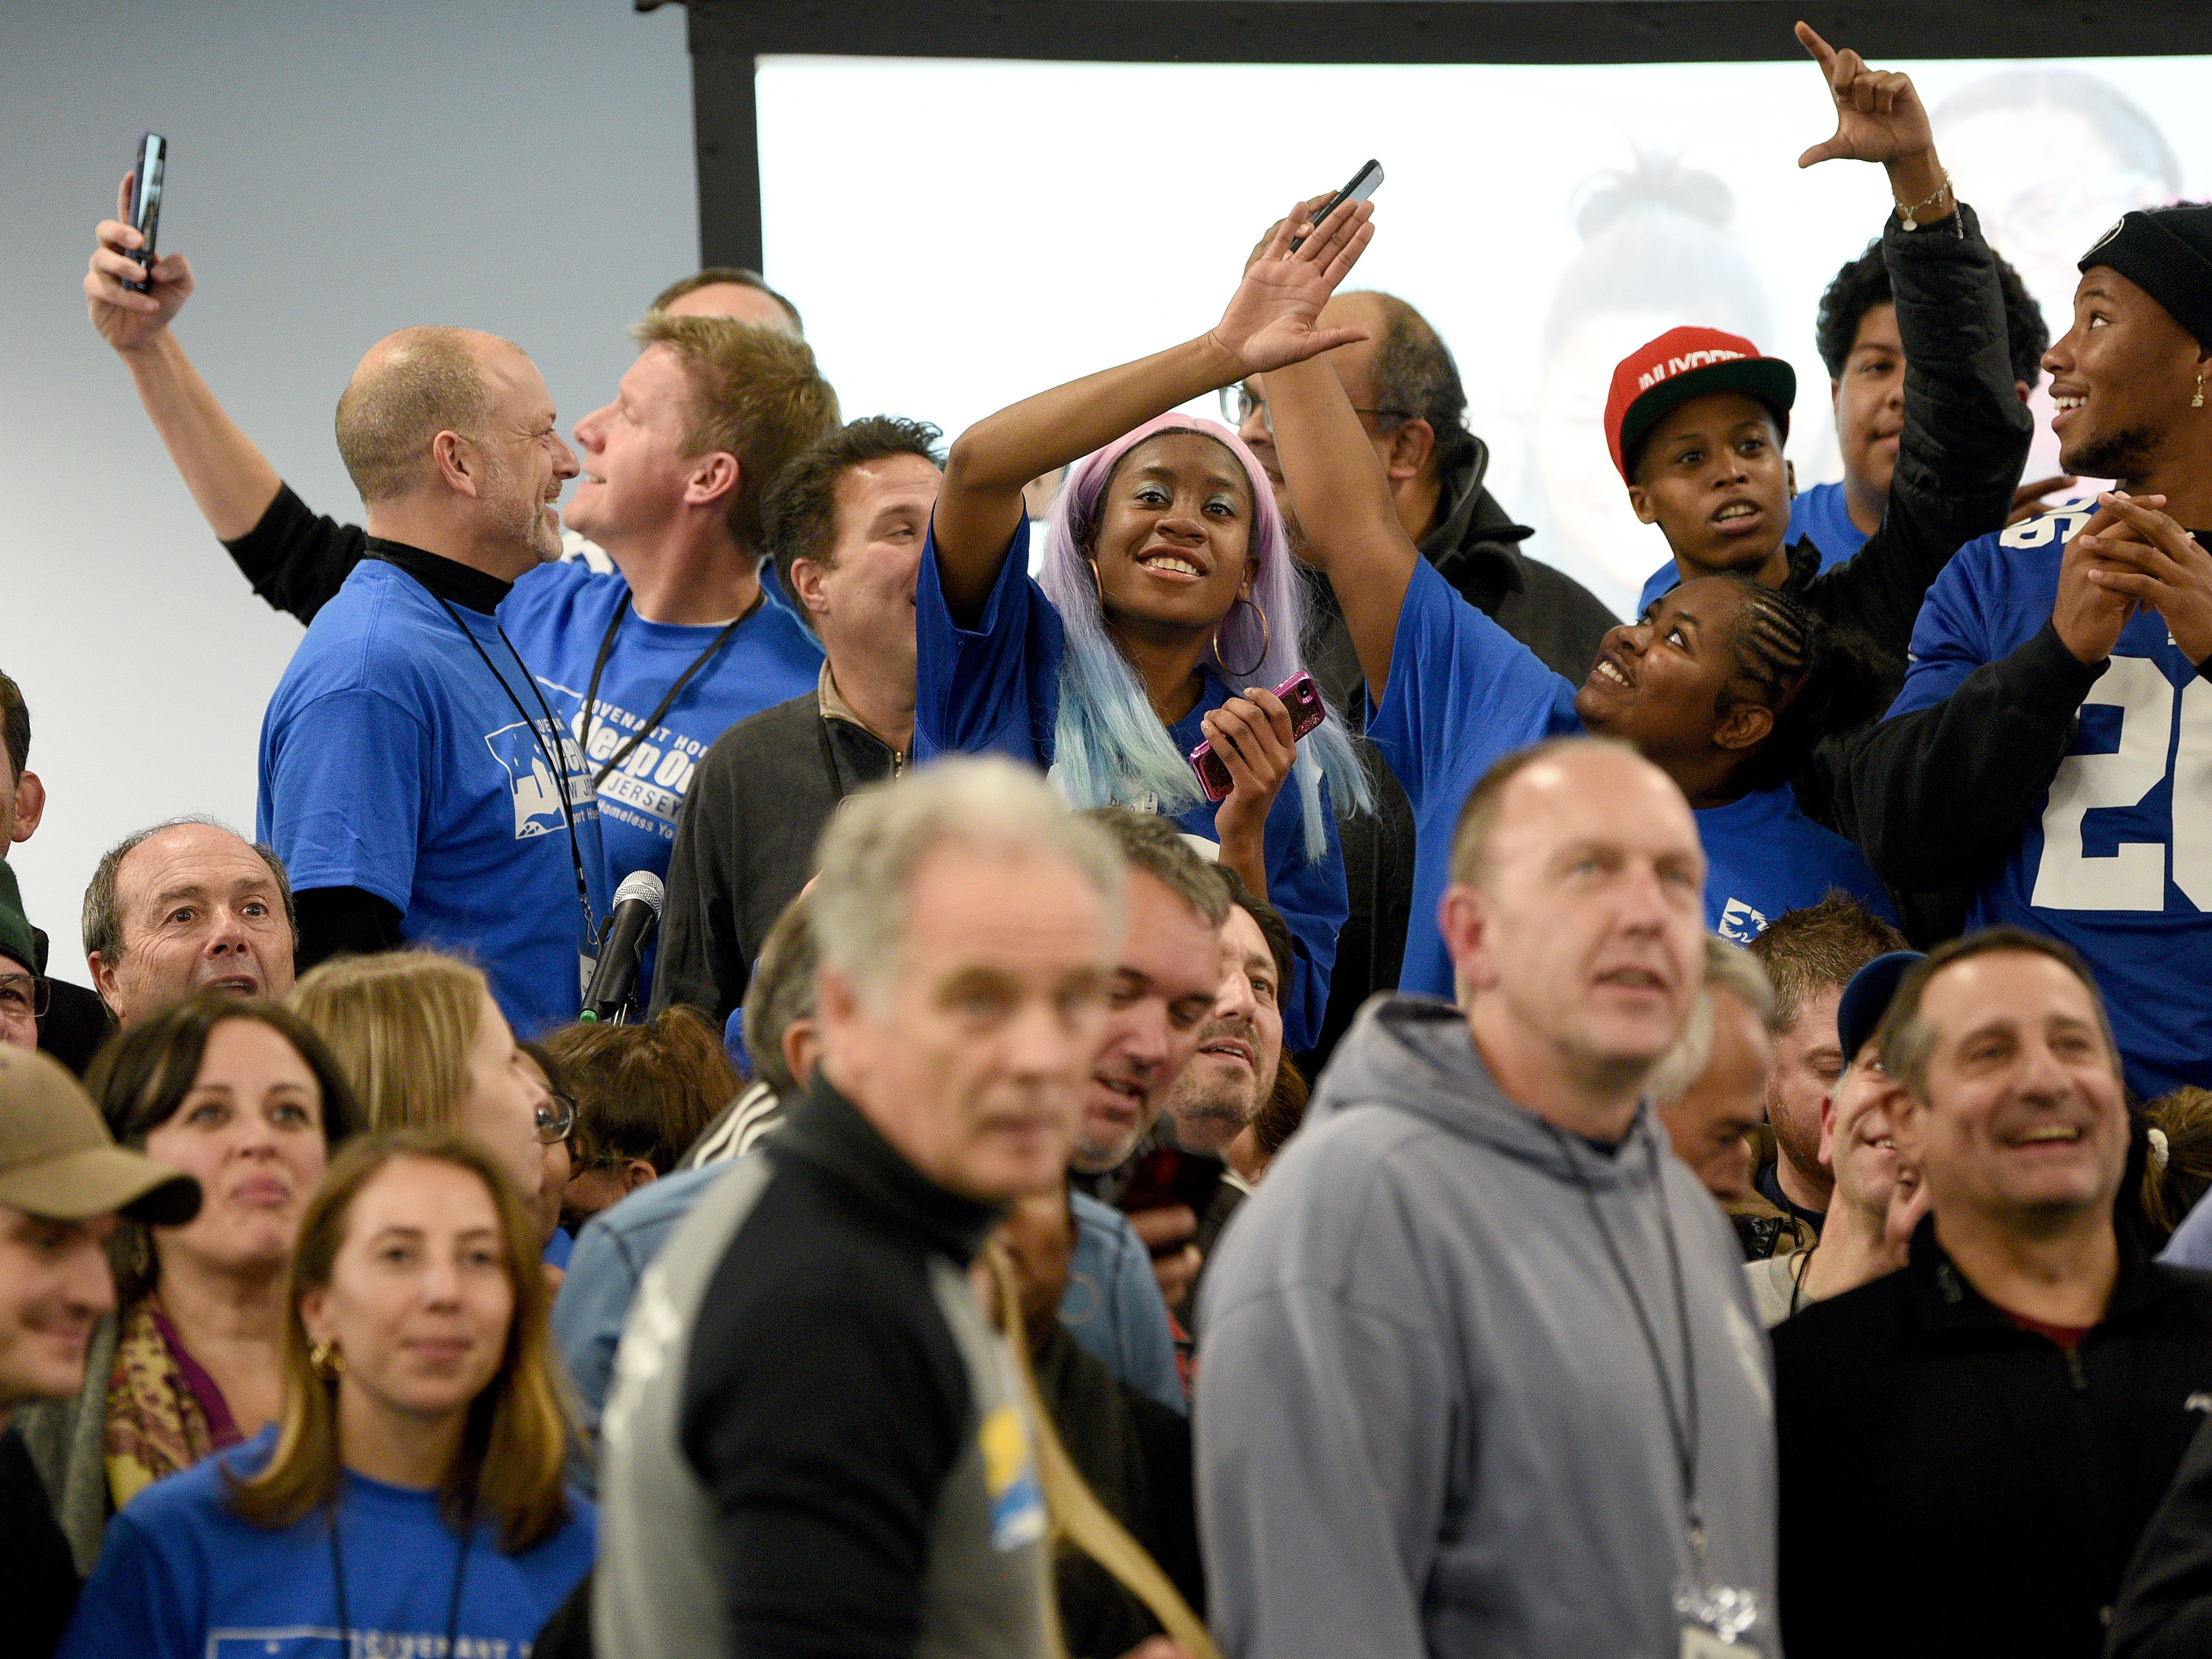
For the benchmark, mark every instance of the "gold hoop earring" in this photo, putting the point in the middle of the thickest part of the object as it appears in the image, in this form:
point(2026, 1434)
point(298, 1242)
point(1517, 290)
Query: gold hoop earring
point(1266, 639)
point(326, 1361)
point(2197, 402)
point(1097, 587)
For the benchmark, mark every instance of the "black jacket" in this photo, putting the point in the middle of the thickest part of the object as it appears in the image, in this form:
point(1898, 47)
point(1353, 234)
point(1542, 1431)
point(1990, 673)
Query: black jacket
point(744, 844)
point(75, 1023)
point(2166, 1604)
point(1963, 441)
point(1134, 1455)
point(1953, 1483)
point(1476, 547)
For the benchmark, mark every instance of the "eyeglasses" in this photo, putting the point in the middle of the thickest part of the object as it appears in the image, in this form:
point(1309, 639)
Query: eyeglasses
point(1237, 404)
point(23, 996)
point(555, 1118)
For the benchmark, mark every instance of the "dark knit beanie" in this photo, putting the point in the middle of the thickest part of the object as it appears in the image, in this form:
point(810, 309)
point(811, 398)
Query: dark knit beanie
point(2167, 253)
point(17, 942)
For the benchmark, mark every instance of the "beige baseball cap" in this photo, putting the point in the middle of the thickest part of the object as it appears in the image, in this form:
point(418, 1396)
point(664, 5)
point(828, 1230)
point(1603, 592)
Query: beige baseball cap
point(58, 1162)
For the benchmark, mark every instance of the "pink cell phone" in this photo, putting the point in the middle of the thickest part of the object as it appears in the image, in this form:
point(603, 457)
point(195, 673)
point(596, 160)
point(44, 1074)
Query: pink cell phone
point(1300, 695)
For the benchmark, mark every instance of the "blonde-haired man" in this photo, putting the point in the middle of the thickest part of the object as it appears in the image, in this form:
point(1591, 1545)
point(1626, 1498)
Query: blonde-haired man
point(450, 436)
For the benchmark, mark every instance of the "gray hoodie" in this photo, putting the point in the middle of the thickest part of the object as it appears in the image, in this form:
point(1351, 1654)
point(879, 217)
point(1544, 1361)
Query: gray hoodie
point(1427, 1422)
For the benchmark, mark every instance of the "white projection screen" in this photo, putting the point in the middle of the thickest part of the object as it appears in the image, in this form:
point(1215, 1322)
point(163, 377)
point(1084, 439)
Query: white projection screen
point(962, 233)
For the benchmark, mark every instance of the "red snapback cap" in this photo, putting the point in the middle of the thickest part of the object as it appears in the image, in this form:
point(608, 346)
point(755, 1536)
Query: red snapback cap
point(1683, 363)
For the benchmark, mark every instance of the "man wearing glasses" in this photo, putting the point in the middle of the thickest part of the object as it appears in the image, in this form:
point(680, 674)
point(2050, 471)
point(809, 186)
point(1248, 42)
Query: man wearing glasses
point(22, 991)
point(1405, 389)
point(70, 1022)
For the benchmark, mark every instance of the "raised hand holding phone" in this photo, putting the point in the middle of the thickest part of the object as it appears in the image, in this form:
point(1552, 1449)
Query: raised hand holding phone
point(1271, 318)
point(131, 295)
point(144, 190)
point(1361, 185)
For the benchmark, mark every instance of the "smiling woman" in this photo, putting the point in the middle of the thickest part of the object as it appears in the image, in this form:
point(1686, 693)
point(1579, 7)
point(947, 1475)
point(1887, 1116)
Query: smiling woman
point(246, 1098)
point(1167, 606)
point(414, 1480)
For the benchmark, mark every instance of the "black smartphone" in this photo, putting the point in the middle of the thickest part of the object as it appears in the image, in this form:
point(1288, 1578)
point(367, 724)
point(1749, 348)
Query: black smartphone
point(146, 199)
point(1300, 695)
point(1166, 1177)
point(1363, 184)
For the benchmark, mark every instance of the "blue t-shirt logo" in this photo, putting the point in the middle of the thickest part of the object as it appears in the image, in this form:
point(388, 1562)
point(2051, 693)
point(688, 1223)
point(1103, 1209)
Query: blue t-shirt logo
point(535, 791)
point(1740, 923)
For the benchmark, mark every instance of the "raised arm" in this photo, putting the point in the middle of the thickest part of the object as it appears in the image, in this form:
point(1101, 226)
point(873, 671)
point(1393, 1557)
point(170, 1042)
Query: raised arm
point(1343, 506)
point(1966, 432)
point(1270, 322)
point(231, 480)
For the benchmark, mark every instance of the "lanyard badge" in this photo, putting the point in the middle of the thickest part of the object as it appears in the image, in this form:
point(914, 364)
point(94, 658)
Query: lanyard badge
point(1717, 1619)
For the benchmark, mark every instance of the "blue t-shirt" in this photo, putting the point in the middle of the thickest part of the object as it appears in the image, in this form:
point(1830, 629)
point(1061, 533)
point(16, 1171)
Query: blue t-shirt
point(393, 760)
point(1463, 694)
point(1764, 856)
point(995, 688)
point(2116, 859)
point(1112, 1305)
point(180, 1576)
point(1819, 515)
point(557, 616)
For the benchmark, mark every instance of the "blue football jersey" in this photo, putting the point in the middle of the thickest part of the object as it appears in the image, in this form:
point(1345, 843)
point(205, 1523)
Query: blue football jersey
point(2116, 859)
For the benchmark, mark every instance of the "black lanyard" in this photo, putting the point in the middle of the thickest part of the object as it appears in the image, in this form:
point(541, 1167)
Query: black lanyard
point(559, 770)
point(607, 645)
point(345, 1616)
point(1683, 1429)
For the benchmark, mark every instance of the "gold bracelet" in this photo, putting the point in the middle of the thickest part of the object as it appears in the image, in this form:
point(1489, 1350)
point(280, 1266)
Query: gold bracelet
point(1936, 195)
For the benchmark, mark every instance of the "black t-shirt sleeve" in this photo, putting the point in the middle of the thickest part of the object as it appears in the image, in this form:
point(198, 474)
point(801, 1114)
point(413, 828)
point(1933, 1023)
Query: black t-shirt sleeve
point(342, 921)
point(295, 558)
point(825, 1435)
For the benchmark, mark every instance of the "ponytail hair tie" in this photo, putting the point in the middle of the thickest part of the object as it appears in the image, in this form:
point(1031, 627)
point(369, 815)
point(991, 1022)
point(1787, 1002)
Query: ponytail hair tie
point(2160, 1151)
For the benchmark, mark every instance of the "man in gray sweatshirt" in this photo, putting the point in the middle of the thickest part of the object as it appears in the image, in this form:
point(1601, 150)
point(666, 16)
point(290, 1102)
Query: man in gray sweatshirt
point(1481, 1374)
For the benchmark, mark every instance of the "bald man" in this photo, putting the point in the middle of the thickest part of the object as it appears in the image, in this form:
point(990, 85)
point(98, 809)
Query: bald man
point(408, 758)
point(1402, 380)
point(643, 666)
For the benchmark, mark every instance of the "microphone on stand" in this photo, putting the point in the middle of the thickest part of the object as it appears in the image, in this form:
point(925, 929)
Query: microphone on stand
point(636, 913)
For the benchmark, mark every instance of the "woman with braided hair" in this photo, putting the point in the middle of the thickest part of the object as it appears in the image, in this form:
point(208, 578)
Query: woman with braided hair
point(1726, 685)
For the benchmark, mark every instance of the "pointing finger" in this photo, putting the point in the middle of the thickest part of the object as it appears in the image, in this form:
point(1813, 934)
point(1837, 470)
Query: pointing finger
point(1820, 50)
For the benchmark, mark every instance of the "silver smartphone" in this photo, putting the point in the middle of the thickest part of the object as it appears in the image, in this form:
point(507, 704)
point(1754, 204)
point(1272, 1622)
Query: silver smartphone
point(146, 199)
point(1363, 185)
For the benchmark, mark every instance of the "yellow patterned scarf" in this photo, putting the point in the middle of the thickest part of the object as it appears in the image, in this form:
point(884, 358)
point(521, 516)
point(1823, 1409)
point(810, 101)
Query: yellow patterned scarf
point(155, 1426)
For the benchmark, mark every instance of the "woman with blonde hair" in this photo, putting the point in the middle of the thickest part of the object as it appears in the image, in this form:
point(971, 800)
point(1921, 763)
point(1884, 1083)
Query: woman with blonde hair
point(425, 1046)
point(414, 1483)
